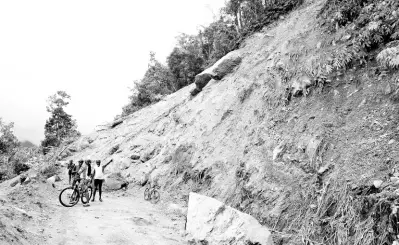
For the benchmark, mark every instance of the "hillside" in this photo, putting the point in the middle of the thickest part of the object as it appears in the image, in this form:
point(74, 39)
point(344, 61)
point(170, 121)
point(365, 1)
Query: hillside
point(239, 142)
point(295, 163)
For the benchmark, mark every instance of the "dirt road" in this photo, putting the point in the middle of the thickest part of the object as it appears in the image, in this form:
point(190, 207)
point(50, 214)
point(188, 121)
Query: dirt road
point(123, 218)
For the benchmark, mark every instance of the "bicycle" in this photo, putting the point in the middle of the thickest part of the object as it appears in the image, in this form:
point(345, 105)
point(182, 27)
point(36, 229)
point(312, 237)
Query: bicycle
point(69, 196)
point(151, 193)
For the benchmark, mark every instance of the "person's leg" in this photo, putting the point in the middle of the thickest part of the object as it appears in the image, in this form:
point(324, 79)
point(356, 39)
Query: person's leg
point(100, 185)
point(95, 189)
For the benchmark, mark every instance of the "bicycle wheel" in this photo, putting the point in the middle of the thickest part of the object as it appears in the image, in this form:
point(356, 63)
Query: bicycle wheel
point(69, 197)
point(86, 195)
point(155, 196)
point(147, 194)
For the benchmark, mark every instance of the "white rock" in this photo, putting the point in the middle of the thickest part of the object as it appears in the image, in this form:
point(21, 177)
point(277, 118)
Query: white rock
point(215, 223)
point(53, 179)
point(377, 183)
point(279, 151)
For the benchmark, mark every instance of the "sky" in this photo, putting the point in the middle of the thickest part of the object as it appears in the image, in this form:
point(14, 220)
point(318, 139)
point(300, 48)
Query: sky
point(92, 49)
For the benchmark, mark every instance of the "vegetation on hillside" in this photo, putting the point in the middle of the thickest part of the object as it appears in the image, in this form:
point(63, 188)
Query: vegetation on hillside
point(60, 125)
point(13, 156)
point(194, 53)
point(368, 31)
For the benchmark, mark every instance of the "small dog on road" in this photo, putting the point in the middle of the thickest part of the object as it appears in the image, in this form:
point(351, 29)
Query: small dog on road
point(125, 185)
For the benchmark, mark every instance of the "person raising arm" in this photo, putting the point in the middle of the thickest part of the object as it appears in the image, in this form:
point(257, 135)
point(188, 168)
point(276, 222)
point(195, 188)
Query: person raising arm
point(98, 176)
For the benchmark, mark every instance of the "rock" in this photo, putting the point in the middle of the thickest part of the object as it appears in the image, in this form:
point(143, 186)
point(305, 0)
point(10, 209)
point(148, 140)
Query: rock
point(312, 147)
point(116, 123)
point(15, 181)
point(53, 179)
point(279, 151)
point(27, 181)
point(391, 142)
point(33, 176)
point(377, 183)
point(388, 89)
point(220, 69)
point(300, 85)
point(144, 179)
point(135, 157)
point(324, 169)
point(346, 37)
point(114, 182)
point(394, 179)
point(211, 222)
point(195, 91)
point(318, 46)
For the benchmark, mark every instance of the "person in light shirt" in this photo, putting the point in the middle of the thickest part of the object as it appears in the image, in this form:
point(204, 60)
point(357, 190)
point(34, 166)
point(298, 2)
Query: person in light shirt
point(98, 176)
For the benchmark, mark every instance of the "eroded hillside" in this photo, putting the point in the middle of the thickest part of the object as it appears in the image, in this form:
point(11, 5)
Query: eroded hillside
point(290, 161)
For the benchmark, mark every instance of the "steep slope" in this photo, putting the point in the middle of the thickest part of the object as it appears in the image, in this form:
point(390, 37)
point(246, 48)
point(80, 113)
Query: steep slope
point(242, 140)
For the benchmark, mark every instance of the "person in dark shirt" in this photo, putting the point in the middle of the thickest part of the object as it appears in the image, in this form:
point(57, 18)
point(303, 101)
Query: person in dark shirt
point(70, 169)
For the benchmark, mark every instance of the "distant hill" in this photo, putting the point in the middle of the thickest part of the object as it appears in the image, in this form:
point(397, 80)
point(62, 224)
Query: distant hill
point(27, 143)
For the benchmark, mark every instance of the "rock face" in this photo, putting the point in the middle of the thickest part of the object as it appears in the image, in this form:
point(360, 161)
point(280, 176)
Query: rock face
point(220, 69)
point(209, 221)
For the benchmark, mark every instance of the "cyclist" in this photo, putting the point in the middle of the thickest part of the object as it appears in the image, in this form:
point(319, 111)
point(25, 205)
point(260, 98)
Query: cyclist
point(98, 175)
point(75, 172)
point(85, 177)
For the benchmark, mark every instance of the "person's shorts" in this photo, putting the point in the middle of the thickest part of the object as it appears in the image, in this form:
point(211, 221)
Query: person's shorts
point(98, 182)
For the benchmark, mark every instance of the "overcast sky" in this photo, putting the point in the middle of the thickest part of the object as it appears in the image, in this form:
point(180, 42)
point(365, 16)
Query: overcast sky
point(92, 49)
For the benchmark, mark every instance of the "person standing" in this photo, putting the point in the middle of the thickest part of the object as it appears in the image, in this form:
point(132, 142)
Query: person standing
point(75, 172)
point(98, 176)
point(85, 174)
point(70, 169)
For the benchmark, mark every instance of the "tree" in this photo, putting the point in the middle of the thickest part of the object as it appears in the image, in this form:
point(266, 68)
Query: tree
point(60, 125)
point(157, 82)
point(8, 141)
point(184, 66)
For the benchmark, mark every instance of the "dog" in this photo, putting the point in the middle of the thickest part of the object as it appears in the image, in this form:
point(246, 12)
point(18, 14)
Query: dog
point(125, 185)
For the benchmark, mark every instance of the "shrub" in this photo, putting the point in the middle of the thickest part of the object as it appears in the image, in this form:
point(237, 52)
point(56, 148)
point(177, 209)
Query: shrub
point(20, 167)
point(389, 57)
point(49, 171)
point(368, 25)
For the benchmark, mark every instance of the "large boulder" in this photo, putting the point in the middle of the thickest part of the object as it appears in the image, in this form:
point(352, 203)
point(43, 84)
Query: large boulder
point(210, 221)
point(220, 69)
point(114, 182)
